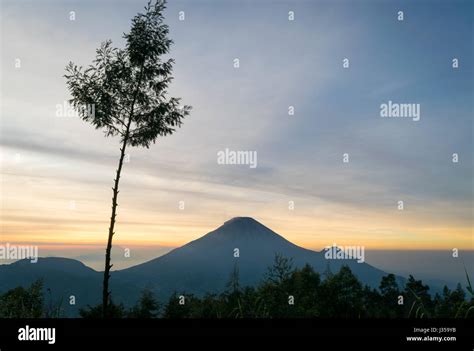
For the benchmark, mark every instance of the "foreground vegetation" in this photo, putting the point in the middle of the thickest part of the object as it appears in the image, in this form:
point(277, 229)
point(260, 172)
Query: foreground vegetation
point(285, 292)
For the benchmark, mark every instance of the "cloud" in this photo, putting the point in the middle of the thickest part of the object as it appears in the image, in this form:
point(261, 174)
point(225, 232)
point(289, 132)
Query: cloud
point(282, 64)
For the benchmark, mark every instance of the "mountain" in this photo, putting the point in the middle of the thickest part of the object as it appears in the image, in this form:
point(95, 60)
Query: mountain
point(201, 266)
point(204, 265)
point(63, 278)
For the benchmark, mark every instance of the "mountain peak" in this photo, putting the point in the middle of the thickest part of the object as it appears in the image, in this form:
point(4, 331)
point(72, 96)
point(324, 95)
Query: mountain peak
point(240, 220)
point(243, 227)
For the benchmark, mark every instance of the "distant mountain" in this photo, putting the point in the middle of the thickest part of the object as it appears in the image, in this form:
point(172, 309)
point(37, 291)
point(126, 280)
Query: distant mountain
point(204, 265)
point(63, 278)
point(201, 266)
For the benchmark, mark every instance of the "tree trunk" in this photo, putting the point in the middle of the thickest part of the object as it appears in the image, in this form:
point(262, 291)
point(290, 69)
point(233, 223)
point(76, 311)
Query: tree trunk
point(105, 292)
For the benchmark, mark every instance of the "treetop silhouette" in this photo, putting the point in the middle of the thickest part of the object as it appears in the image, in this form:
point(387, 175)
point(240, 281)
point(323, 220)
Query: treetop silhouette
point(128, 89)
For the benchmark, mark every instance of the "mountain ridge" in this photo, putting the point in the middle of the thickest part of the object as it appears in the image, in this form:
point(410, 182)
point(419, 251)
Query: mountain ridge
point(213, 256)
point(198, 267)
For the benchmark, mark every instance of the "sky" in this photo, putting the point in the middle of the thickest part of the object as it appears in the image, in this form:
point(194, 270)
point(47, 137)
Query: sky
point(57, 172)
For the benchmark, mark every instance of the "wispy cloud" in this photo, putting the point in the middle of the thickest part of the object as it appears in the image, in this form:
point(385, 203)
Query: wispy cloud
point(49, 162)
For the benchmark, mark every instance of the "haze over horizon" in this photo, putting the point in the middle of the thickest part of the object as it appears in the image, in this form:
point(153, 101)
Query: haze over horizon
point(56, 172)
point(437, 267)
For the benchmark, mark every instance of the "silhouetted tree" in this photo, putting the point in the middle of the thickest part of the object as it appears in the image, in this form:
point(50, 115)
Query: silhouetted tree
point(113, 311)
point(252, 304)
point(124, 92)
point(341, 295)
point(232, 294)
point(304, 286)
point(233, 285)
point(451, 303)
point(280, 270)
point(275, 290)
point(23, 302)
point(372, 303)
point(417, 298)
point(390, 293)
point(210, 306)
point(147, 307)
point(183, 306)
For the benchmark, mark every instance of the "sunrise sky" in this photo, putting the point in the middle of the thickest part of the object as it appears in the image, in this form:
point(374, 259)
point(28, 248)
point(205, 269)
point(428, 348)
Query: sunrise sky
point(57, 172)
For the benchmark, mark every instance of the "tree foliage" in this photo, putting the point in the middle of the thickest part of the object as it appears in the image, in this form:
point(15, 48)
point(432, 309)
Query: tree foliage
point(128, 86)
point(23, 302)
point(124, 92)
point(341, 295)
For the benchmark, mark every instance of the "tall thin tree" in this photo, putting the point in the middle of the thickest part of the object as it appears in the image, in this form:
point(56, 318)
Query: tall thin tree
point(124, 93)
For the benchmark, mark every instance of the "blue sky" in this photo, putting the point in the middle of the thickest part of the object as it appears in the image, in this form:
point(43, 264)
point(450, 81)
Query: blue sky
point(50, 162)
